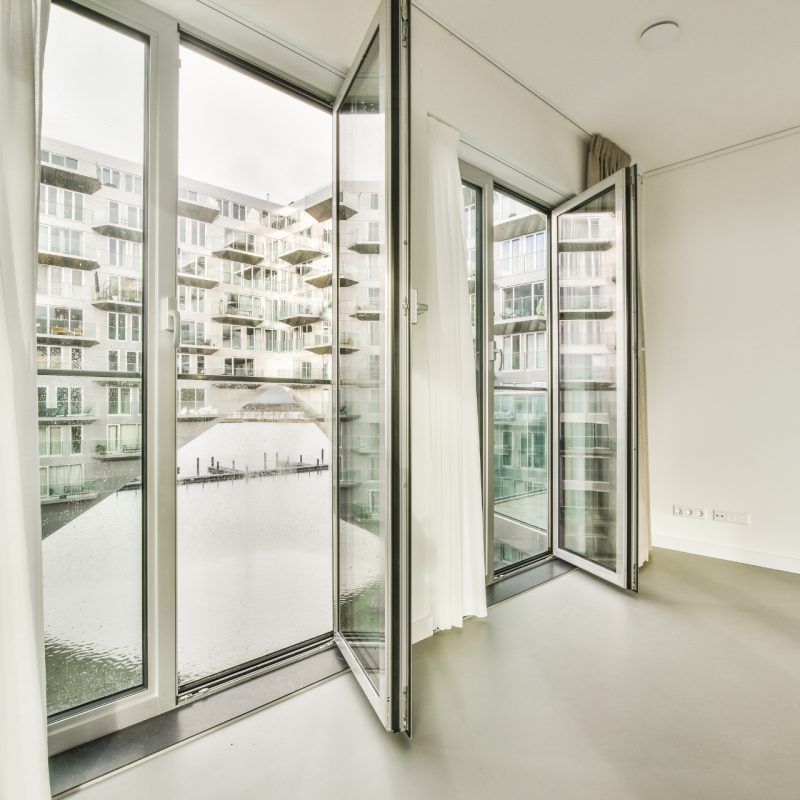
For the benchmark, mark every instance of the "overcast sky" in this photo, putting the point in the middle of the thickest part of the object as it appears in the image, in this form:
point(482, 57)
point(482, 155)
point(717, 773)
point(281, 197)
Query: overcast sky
point(235, 131)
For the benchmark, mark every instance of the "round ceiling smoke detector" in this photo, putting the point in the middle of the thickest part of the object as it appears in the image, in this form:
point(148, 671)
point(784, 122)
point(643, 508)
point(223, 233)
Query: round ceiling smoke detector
point(660, 34)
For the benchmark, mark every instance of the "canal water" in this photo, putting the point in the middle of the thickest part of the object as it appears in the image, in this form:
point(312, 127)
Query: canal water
point(254, 567)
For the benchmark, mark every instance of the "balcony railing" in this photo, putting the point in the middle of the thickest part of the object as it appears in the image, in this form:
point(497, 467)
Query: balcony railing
point(192, 340)
point(196, 408)
point(63, 410)
point(64, 327)
point(367, 444)
point(52, 362)
point(117, 218)
point(595, 301)
point(67, 211)
point(244, 310)
point(298, 248)
point(119, 294)
point(516, 265)
point(522, 307)
point(240, 243)
point(67, 490)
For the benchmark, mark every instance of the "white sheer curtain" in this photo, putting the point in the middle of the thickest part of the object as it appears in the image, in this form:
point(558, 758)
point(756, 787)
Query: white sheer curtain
point(23, 731)
point(452, 480)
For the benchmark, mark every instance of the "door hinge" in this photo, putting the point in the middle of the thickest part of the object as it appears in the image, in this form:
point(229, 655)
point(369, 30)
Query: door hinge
point(404, 23)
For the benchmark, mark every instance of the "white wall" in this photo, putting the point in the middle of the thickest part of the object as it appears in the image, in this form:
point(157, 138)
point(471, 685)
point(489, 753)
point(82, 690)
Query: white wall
point(452, 82)
point(722, 306)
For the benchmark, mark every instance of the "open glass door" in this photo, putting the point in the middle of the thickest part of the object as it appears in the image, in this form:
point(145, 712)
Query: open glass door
point(594, 368)
point(370, 332)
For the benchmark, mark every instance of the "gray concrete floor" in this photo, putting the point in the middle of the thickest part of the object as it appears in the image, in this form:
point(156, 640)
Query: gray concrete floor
point(571, 690)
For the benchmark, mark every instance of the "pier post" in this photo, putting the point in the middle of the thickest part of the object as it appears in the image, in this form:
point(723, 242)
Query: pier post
point(198, 465)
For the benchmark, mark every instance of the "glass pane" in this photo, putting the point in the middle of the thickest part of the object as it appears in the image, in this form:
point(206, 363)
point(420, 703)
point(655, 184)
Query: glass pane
point(363, 367)
point(90, 478)
point(519, 322)
point(588, 256)
point(253, 401)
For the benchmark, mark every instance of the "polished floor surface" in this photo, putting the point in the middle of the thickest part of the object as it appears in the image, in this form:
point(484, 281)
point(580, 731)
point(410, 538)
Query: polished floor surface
point(573, 689)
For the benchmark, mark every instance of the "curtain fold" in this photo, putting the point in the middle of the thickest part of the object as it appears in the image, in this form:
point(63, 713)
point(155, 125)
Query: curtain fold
point(603, 160)
point(452, 480)
point(23, 715)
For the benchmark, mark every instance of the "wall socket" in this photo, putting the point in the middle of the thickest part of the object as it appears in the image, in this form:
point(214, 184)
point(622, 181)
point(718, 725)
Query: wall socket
point(736, 517)
point(692, 512)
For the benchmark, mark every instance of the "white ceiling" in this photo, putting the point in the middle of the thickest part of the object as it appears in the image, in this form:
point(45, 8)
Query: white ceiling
point(733, 75)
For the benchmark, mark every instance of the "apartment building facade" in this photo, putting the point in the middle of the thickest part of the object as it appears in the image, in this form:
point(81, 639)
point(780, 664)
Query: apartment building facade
point(254, 297)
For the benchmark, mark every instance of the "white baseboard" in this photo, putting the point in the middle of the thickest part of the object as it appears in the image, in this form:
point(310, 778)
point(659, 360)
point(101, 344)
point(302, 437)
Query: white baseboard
point(728, 553)
point(421, 629)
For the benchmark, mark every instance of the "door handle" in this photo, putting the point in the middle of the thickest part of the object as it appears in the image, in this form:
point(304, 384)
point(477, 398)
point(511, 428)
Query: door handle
point(495, 352)
point(171, 319)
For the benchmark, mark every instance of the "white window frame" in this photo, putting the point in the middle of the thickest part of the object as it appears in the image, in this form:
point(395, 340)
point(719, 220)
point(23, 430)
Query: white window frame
point(161, 138)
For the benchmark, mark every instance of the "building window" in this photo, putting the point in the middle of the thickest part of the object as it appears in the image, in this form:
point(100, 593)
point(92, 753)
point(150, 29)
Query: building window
point(233, 210)
point(191, 231)
point(50, 441)
point(76, 439)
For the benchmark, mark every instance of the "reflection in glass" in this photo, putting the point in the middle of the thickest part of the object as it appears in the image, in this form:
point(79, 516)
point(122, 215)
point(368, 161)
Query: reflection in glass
point(587, 271)
point(89, 343)
point(519, 323)
point(253, 399)
point(362, 369)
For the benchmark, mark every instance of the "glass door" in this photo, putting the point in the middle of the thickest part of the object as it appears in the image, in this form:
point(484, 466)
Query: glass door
point(594, 452)
point(519, 382)
point(371, 619)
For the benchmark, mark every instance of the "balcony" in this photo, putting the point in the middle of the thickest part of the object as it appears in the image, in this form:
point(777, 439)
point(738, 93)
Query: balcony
point(367, 445)
point(50, 363)
point(586, 306)
point(66, 414)
point(319, 205)
point(70, 173)
point(84, 259)
point(586, 380)
point(367, 312)
point(320, 343)
point(65, 332)
point(196, 270)
point(196, 411)
point(520, 315)
point(349, 478)
point(244, 376)
point(239, 247)
point(197, 344)
point(362, 237)
point(298, 249)
point(587, 232)
point(521, 264)
point(196, 205)
point(348, 414)
point(118, 224)
point(233, 313)
point(68, 492)
point(296, 314)
point(125, 452)
point(325, 279)
point(112, 297)
point(71, 212)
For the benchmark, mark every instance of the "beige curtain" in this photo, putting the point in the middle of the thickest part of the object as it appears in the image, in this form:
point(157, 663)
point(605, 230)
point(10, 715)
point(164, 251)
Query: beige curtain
point(604, 159)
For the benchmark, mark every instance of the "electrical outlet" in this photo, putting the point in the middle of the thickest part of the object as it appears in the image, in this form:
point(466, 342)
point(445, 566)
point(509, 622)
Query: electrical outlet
point(734, 517)
point(693, 512)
